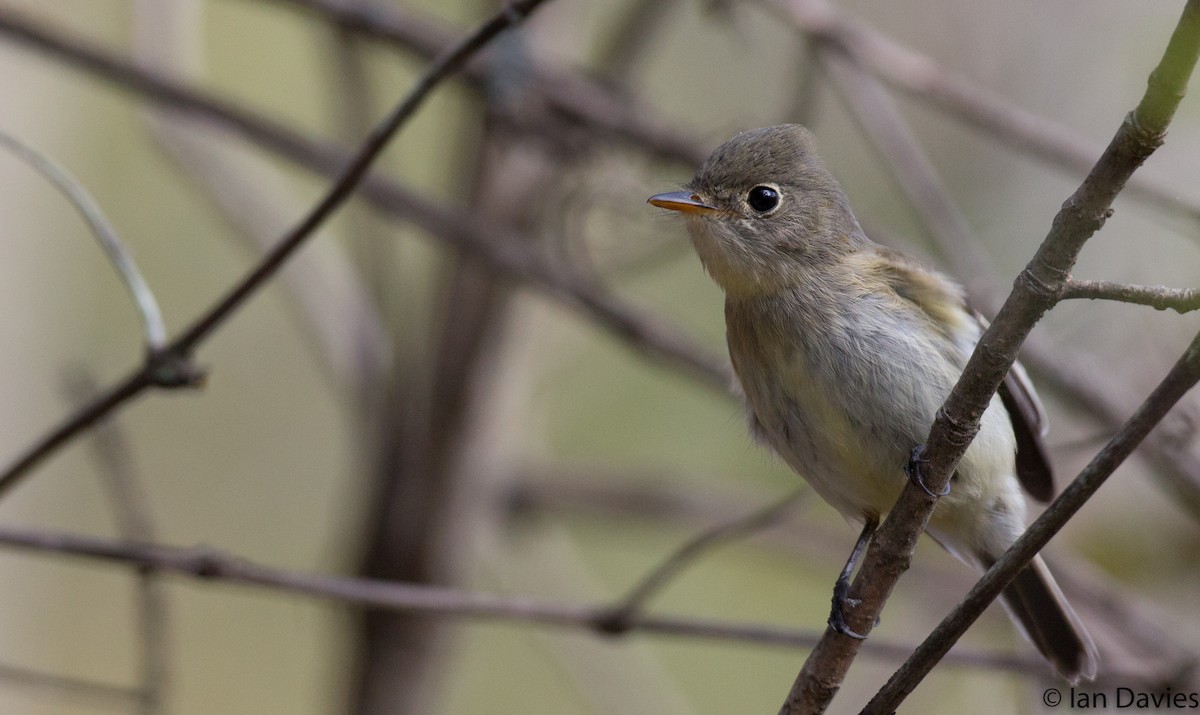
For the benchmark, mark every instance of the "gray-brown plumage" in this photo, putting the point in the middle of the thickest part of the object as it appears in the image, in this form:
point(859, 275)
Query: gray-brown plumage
point(845, 350)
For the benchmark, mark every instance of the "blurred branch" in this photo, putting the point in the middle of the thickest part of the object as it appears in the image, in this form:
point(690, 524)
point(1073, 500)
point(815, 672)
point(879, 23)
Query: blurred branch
point(170, 366)
point(1172, 449)
point(104, 233)
point(922, 77)
point(131, 507)
point(637, 28)
point(1181, 300)
point(912, 171)
point(59, 686)
point(957, 422)
point(329, 299)
point(1182, 377)
point(213, 565)
point(573, 97)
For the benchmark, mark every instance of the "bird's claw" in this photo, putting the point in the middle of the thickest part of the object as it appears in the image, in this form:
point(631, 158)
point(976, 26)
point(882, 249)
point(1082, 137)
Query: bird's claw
point(914, 469)
point(837, 614)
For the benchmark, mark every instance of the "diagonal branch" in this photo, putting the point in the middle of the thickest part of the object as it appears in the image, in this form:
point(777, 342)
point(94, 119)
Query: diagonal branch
point(1035, 291)
point(1182, 377)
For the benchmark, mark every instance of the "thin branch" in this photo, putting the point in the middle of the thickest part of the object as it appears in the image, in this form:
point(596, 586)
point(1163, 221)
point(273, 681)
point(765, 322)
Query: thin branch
point(330, 299)
point(1182, 377)
point(352, 175)
point(213, 565)
point(120, 256)
point(1181, 300)
point(626, 609)
point(1149, 652)
point(957, 422)
point(135, 523)
point(1171, 450)
point(171, 366)
point(572, 96)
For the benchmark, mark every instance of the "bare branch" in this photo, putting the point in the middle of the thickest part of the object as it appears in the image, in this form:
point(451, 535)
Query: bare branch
point(1171, 450)
point(1181, 300)
point(1182, 377)
point(213, 565)
point(329, 298)
point(104, 233)
point(623, 613)
point(352, 175)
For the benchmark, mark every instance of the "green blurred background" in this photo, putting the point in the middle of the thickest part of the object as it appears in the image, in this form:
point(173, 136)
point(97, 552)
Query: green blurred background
point(271, 459)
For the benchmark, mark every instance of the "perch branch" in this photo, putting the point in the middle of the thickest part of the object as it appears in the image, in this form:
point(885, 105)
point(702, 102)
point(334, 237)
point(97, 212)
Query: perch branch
point(1182, 377)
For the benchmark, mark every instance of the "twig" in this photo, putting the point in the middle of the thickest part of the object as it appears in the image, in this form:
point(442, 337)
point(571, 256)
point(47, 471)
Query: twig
point(214, 565)
point(1154, 653)
point(1034, 292)
point(1182, 377)
point(1181, 300)
point(120, 257)
point(171, 365)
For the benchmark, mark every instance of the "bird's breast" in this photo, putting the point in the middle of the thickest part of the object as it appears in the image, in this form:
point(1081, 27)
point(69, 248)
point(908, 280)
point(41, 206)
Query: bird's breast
point(840, 388)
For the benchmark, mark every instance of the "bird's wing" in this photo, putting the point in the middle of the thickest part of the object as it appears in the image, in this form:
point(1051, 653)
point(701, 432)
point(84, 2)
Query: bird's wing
point(1029, 425)
point(942, 302)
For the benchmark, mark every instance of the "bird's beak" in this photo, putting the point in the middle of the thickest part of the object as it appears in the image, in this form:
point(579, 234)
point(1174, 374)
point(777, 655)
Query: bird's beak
point(682, 201)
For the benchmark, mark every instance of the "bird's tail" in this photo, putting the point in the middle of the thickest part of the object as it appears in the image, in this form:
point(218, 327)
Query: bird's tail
point(1037, 605)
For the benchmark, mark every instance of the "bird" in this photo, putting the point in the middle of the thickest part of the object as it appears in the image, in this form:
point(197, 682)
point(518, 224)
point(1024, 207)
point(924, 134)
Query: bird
point(844, 350)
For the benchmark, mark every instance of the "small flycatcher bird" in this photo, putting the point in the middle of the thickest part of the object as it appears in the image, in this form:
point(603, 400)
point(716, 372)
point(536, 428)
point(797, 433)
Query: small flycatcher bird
point(845, 350)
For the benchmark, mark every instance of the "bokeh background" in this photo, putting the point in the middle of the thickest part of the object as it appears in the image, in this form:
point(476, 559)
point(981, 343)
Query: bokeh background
point(390, 407)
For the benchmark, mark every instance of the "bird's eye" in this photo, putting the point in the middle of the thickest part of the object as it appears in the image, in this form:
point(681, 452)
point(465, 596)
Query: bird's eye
point(763, 198)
